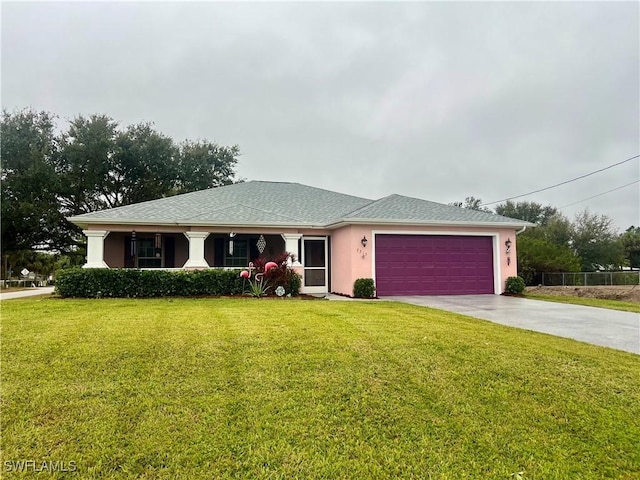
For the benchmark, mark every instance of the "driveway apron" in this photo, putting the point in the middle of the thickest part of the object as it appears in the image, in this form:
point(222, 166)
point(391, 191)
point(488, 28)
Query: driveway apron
point(598, 326)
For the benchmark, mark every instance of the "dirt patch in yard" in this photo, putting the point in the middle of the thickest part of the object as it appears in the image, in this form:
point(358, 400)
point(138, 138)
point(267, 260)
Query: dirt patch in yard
point(626, 293)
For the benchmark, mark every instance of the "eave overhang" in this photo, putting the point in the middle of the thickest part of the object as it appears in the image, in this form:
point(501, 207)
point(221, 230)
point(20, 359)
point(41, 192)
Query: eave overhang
point(85, 223)
point(426, 223)
point(333, 225)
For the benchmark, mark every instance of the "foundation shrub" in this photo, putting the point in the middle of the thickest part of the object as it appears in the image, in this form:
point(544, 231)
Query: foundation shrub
point(364, 288)
point(514, 285)
point(133, 283)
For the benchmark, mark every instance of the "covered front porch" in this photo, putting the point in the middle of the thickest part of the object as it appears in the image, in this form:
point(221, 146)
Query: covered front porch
point(146, 249)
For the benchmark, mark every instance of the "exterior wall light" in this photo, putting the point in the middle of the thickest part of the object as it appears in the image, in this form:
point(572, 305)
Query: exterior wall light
point(508, 245)
point(231, 235)
point(364, 241)
point(158, 245)
point(134, 244)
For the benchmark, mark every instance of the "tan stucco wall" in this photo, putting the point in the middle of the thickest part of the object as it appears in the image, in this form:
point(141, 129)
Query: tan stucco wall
point(208, 250)
point(274, 248)
point(114, 249)
point(114, 246)
point(182, 250)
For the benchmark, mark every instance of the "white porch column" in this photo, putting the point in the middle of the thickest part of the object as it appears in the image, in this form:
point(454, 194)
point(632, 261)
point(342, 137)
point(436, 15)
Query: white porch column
point(291, 246)
point(196, 250)
point(95, 248)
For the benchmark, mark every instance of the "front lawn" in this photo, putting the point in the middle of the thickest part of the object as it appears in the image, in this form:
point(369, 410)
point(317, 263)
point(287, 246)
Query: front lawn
point(243, 388)
point(589, 302)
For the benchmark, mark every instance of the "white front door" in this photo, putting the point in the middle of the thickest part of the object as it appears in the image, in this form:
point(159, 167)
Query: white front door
point(314, 262)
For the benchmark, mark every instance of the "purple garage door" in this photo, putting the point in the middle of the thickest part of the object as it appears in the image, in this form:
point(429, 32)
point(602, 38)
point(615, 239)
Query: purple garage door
point(433, 265)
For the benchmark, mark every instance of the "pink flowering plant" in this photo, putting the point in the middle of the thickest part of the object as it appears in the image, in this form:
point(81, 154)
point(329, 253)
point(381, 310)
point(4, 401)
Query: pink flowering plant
point(258, 286)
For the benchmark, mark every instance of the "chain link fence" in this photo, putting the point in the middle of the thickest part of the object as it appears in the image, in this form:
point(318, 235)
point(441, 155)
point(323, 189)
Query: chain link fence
point(590, 279)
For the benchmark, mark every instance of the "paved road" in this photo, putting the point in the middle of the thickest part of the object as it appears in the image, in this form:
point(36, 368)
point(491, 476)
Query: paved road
point(598, 326)
point(26, 293)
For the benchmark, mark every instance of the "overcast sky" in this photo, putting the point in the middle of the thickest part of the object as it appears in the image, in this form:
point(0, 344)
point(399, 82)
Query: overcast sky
point(435, 100)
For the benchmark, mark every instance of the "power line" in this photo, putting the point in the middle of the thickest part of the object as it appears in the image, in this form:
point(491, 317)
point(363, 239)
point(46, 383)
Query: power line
point(562, 183)
point(600, 194)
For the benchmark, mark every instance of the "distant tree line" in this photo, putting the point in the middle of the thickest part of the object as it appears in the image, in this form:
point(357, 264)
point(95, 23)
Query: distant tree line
point(49, 174)
point(588, 243)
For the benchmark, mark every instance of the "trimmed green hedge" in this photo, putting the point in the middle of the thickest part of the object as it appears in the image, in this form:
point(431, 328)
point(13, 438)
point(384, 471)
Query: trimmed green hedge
point(131, 283)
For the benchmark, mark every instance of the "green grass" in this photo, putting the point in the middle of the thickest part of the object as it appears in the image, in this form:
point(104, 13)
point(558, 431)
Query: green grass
point(275, 389)
point(589, 302)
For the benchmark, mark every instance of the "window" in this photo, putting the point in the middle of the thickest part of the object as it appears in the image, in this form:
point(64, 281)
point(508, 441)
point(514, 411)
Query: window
point(147, 257)
point(240, 255)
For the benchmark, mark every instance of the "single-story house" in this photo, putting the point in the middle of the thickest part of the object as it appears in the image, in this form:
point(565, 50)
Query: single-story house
point(407, 245)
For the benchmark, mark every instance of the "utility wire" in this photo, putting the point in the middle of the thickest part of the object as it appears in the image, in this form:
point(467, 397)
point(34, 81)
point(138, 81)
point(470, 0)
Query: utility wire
point(599, 195)
point(562, 183)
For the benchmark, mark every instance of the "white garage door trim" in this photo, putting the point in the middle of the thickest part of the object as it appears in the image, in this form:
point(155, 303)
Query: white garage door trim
point(497, 273)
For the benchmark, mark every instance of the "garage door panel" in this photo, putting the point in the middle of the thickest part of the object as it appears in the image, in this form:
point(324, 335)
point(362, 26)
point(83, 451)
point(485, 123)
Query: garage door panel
point(433, 264)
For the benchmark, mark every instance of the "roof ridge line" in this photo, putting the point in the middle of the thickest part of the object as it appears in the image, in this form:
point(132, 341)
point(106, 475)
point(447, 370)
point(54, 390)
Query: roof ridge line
point(368, 205)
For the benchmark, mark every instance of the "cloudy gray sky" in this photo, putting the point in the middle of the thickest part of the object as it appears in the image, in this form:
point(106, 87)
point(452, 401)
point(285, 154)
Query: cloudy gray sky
point(436, 100)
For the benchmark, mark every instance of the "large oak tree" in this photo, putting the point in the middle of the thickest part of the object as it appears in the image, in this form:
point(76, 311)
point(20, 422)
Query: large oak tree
point(93, 164)
point(31, 214)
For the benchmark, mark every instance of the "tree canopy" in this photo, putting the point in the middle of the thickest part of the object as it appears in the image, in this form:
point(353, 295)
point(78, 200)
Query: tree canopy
point(595, 241)
point(471, 203)
point(529, 211)
point(537, 255)
point(31, 216)
point(630, 241)
point(103, 167)
point(50, 173)
point(589, 242)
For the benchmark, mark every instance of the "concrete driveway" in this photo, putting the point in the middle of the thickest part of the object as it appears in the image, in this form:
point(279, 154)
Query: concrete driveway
point(598, 326)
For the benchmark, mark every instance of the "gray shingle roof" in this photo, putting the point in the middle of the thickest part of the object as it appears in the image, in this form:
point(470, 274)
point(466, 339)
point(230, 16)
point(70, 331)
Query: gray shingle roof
point(400, 209)
point(291, 204)
point(252, 203)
